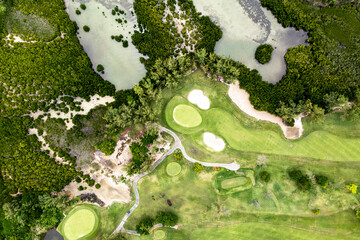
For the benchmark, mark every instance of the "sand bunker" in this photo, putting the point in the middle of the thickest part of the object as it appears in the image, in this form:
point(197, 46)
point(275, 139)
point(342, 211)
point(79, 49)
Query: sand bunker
point(241, 98)
point(214, 142)
point(198, 98)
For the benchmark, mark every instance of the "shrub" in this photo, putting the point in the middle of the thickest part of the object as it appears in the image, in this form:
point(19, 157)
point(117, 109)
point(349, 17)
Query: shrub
point(78, 180)
point(265, 176)
point(144, 226)
point(90, 182)
point(302, 181)
point(97, 186)
point(323, 181)
point(83, 6)
point(86, 28)
point(358, 214)
point(77, 11)
point(198, 167)
point(352, 188)
point(100, 68)
point(125, 43)
point(316, 211)
point(263, 53)
point(167, 218)
point(80, 188)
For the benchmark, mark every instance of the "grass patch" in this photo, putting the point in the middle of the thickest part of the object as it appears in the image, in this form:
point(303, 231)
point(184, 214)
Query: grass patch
point(173, 169)
point(81, 222)
point(233, 182)
point(318, 144)
point(108, 219)
point(159, 234)
point(186, 116)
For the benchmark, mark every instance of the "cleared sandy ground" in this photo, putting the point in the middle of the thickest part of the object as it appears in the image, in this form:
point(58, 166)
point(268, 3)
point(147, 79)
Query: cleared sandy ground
point(198, 98)
point(241, 98)
point(214, 142)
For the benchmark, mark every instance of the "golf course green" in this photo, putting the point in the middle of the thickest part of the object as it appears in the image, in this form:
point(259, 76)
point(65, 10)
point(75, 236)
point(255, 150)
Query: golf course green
point(173, 169)
point(186, 116)
point(81, 223)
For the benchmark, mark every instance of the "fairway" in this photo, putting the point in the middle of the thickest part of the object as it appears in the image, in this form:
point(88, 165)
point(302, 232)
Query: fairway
point(186, 116)
point(173, 169)
point(80, 223)
point(233, 182)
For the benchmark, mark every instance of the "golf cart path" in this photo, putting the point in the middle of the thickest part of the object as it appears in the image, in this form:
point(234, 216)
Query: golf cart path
point(177, 145)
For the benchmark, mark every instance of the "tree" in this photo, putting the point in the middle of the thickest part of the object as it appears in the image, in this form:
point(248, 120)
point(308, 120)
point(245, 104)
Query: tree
point(263, 53)
point(144, 226)
point(323, 181)
point(83, 6)
point(107, 146)
point(100, 68)
point(198, 167)
point(125, 43)
point(86, 28)
point(265, 176)
point(335, 99)
point(78, 12)
point(167, 218)
point(316, 211)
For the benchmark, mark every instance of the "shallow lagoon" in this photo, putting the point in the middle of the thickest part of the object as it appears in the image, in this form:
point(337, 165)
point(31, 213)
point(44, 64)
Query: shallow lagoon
point(122, 65)
point(246, 25)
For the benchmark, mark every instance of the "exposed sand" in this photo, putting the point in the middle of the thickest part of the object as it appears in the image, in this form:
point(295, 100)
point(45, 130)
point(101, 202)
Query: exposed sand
point(95, 101)
point(214, 142)
point(241, 98)
point(198, 98)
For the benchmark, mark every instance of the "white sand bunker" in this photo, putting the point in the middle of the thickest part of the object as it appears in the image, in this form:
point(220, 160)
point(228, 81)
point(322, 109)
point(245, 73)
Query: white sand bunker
point(198, 98)
point(214, 142)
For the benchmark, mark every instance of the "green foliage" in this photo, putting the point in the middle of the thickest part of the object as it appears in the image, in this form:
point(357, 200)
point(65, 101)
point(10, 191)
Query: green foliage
point(78, 12)
point(357, 214)
point(97, 186)
point(139, 158)
point(125, 43)
point(169, 219)
point(302, 181)
point(83, 6)
point(100, 68)
point(86, 28)
point(150, 136)
point(265, 176)
point(198, 167)
point(107, 146)
point(323, 181)
point(316, 211)
point(263, 53)
point(334, 99)
point(352, 188)
point(144, 226)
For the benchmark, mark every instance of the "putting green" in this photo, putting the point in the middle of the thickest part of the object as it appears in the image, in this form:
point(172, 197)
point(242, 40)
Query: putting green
point(173, 169)
point(82, 222)
point(159, 234)
point(186, 116)
point(233, 182)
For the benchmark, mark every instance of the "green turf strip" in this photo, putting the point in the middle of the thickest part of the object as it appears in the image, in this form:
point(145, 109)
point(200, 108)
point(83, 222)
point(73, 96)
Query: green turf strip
point(233, 182)
point(186, 116)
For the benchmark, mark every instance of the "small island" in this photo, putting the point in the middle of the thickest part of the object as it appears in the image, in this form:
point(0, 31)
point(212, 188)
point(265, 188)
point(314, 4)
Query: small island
point(263, 53)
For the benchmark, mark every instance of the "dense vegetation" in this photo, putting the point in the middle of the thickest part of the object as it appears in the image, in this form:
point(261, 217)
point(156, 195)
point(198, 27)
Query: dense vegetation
point(46, 72)
point(158, 37)
point(263, 53)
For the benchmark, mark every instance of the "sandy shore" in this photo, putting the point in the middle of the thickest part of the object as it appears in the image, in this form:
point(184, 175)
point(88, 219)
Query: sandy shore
point(241, 98)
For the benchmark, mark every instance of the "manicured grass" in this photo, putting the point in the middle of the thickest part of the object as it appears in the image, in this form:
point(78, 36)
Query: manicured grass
point(186, 116)
point(318, 144)
point(81, 222)
point(108, 219)
point(159, 234)
point(233, 182)
point(173, 169)
point(273, 209)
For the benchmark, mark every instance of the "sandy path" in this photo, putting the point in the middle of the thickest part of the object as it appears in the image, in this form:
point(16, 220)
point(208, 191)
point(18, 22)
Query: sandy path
point(241, 98)
point(95, 101)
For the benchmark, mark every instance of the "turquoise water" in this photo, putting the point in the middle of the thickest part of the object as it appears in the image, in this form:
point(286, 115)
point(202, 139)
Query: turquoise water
point(246, 25)
point(122, 65)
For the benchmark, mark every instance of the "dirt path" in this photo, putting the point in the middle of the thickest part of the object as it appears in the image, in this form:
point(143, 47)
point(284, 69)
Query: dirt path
point(178, 145)
point(241, 98)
